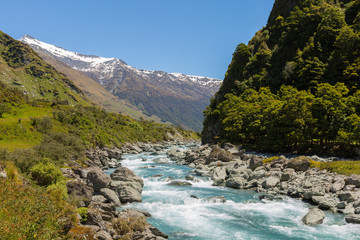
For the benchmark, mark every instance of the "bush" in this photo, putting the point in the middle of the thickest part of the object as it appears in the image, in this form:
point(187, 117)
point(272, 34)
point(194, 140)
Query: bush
point(43, 125)
point(83, 212)
point(46, 174)
point(127, 226)
point(24, 159)
point(28, 213)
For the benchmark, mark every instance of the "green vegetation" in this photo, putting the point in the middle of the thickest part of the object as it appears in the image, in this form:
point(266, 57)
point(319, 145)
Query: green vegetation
point(126, 227)
point(83, 212)
point(30, 213)
point(294, 87)
point(340, 167)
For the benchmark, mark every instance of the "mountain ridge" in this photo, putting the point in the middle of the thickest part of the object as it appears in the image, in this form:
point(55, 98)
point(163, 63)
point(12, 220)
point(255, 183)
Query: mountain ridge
point(174, 97)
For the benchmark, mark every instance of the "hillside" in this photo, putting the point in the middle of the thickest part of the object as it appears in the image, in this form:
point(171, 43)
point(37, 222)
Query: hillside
point(174, 97)
point(294, 86)
point(22, 68)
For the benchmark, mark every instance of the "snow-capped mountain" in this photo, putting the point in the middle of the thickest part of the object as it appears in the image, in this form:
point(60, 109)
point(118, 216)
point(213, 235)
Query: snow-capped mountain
point(174, 97)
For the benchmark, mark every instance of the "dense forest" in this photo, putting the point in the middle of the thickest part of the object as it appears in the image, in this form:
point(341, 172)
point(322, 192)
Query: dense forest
point(295, 85)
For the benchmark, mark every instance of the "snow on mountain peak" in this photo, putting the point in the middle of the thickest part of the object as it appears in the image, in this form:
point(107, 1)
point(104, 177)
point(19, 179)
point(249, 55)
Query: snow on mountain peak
point(63, 53)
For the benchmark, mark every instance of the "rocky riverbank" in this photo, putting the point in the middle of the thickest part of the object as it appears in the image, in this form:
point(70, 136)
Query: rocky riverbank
point(275, 177)
point(99, 194)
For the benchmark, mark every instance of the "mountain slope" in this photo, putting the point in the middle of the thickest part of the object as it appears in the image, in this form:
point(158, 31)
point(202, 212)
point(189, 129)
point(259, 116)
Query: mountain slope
point(94, 91)
point(174, 97)
point(22, 68)
point(296, 83)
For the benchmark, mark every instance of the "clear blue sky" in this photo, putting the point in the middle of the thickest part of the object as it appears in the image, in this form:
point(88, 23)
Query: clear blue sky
point(194, 37)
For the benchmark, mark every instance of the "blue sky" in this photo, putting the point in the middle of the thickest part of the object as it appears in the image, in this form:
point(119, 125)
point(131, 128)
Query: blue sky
point(194, 37)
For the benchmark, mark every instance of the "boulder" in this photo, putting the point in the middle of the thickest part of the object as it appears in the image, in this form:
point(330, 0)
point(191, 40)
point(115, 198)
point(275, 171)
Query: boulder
point(287, 174)
point(98, 179)
point(161, 160)
point(315, 216)
point(175, 154)
point(353, 218)
point(255, 162)
point(299, 163)
point(347, 196)
point(219, 176)
point(270, 182)
point(235, 182)
point(353, 180)
point(189, 177)
point(179, 183)
point(99, 198)
point(102, 235)
point(219, 154)
point(80, 189)
point(94, 217)
point(324, 203)
point(127, 185)
point(110, 196)
point(337, 186)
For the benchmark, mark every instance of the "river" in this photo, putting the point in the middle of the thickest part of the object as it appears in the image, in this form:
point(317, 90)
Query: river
point(176, 211)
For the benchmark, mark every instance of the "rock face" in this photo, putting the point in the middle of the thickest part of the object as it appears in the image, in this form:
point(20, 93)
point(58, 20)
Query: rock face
point(314, 217)
point(127, 185)
point(98, 179)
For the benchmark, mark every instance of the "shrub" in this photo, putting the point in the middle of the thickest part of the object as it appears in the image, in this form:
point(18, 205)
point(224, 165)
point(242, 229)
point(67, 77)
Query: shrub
point(28, 213)
point(83, 211)
point(46, 174)
point(43, 125)
point(24, 159)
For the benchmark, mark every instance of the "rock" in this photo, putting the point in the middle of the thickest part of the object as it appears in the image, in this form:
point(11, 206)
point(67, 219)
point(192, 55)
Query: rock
point(219, 176)
point(157, 153)
point(287, 174)
point(337, 186)
point(220, 154)
point(347, 196)
point(127, 185)
point(255, 162)
point(157, 176)
point(193, 196)
point(341, 205)
point(80, 189)
point(3, 173)
point(159, 235)
point(353, 218)
point(161, 160)
point(270, 182)
point(235, 182)
point(270, 197)
point(216, 199)
point(314, 217)
point(299, 163)
point(99, 198)
point(324, 203)
point(102, 235)
point(110, 196)
point(98, 179)
point(189, 178)
point(179, 183)
point(94, 218)
point(175, 154)
point(349, 187)
point(353, 180)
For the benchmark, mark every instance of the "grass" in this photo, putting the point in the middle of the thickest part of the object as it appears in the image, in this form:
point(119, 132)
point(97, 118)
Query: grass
point(340, 167)
point(270, 159)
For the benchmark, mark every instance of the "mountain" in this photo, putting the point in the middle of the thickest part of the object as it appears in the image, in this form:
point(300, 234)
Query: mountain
point(295, 85)
point(174, 97)
point(23, 69)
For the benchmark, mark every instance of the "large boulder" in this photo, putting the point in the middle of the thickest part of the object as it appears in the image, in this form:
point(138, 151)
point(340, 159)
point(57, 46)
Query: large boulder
point(235, 182)
point(315, 216)
point(79, 189)
point(299, 163)
point(270, 182)
point(337, 186)
point(219, 154)
point(175, 154)
point(98, 179)
point(127, 185)
point(161, 160)
point(110, 196)
point(255, 162)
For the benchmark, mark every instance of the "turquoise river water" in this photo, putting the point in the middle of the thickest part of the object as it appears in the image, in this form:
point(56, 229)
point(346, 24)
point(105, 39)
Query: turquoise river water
point(242, 216)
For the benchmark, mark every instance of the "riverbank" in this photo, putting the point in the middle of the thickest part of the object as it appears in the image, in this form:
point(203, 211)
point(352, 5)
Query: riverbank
point(97, 194)
point(276, 177)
